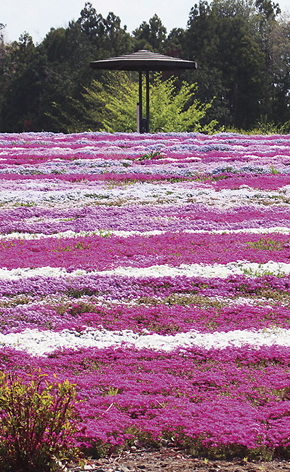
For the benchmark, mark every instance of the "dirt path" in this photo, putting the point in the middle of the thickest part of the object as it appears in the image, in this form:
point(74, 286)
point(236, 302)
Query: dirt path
point(172, 460)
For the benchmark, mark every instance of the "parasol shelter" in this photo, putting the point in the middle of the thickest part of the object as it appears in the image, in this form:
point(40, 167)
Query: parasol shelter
point(144, 61)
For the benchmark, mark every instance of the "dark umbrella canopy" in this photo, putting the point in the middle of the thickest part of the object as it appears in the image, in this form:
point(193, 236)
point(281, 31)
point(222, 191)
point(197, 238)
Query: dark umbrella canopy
point(144, 61)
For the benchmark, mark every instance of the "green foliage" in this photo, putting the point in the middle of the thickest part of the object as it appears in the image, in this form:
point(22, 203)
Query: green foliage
point(150, 35)
point(242, 48)
point(274, 170)
point(219, 37)
point(151, 155)
point(267, 244)
point(112, 392)
point(80, 245)
point(262, 127)
point(170, 109)
point(261, 272)
point(38, 421)
point(105, 34)
point(109, 107)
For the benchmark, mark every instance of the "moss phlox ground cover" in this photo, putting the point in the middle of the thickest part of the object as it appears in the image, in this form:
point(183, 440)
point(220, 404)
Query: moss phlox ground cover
point(170, 244)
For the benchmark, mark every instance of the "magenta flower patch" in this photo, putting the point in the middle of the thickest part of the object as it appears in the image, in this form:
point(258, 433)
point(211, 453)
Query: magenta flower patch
point(153, 271)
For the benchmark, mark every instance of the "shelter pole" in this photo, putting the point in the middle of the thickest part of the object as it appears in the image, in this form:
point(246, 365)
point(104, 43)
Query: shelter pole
point(147, 101)
point(140, 101)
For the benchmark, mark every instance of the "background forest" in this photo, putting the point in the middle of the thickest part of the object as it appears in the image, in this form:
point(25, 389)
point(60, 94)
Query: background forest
point(242, 48)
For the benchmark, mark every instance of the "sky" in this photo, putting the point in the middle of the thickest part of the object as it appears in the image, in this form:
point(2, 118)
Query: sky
point(36, 17)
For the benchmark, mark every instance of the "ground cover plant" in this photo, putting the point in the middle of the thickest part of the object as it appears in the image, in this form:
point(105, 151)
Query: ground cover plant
point(152, 272)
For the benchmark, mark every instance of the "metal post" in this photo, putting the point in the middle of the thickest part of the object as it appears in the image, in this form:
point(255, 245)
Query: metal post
point(137, 119)
point(140, 101)
point(147, 101)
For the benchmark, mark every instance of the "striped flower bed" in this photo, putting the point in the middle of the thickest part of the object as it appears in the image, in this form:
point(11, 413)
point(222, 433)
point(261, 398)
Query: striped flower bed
point(154, 272)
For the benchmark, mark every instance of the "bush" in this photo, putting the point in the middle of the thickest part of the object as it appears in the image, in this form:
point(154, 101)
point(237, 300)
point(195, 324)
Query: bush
point(38, 423)
point(112, 107)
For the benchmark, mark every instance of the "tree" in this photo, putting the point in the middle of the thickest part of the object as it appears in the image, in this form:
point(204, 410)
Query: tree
point(241, 47)
point(268, 9)
point(220, 39)
point(21, 99)
point(114, 105)
point(150, 35)
point(2, 44)
point(175, 42)
point(105, 34)
point(280, 68)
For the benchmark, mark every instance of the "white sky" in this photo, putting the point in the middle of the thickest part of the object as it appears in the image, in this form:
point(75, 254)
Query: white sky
point(36, 17)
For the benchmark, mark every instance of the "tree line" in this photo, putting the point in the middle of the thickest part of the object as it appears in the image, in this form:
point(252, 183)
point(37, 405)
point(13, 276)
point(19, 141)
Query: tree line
point(242, 48)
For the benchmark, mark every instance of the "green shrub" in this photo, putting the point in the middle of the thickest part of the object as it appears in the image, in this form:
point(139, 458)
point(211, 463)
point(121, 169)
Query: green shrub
point(112, 107)
point(38, 423)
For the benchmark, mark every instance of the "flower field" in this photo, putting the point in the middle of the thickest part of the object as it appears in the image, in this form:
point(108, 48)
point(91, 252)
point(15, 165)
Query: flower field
point(153, 271)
